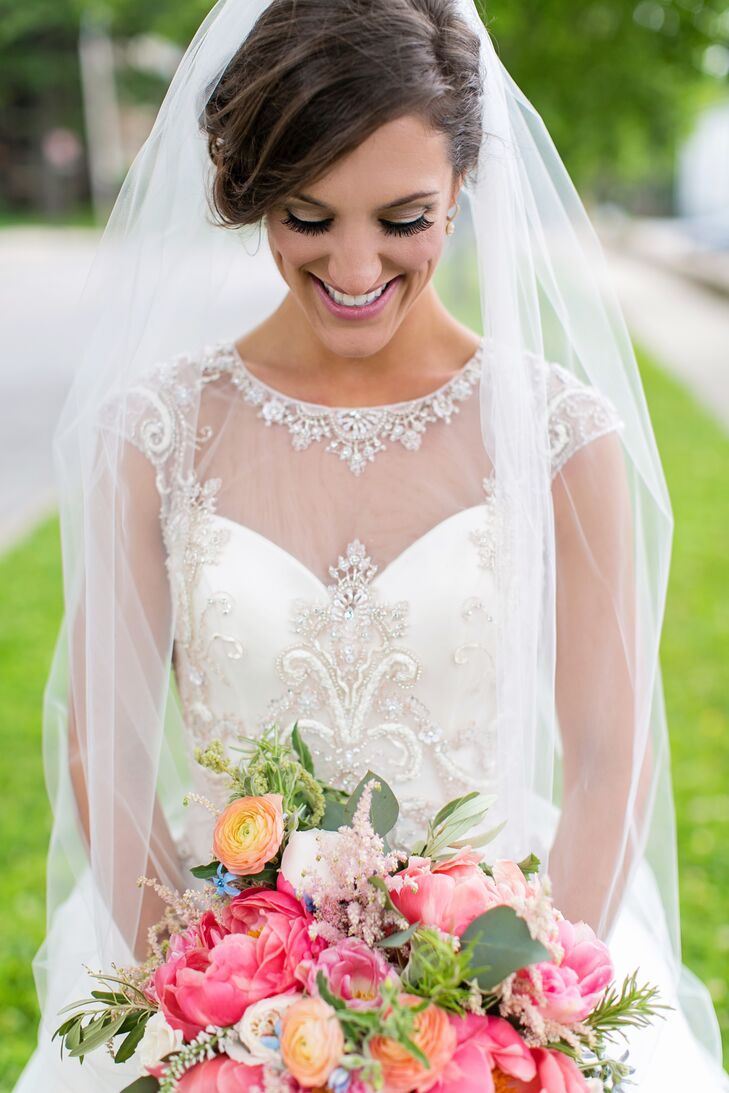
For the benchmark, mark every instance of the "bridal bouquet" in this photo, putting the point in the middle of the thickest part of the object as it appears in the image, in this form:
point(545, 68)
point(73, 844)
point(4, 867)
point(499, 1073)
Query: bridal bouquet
point(317, 957)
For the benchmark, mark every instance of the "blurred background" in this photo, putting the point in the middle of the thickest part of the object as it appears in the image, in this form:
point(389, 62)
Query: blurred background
point(636, 96)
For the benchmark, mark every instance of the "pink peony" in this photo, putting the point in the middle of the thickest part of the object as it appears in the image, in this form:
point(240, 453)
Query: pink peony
point(221, 1075)
point(449, 894)
point(260, 957)
point(571, 989)
point(201, 937)
point(249, 911)
point(175, 976)
point(353, 971)
point(486, 1047)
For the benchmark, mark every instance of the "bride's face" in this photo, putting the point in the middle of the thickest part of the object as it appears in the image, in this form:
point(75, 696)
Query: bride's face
point(375, 221)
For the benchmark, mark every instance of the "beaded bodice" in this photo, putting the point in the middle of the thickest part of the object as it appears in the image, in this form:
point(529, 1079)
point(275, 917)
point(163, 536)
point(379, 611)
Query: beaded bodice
point(366, 612)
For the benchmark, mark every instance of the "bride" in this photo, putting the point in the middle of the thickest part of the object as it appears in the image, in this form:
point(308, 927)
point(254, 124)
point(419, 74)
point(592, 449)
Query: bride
point(442, 548)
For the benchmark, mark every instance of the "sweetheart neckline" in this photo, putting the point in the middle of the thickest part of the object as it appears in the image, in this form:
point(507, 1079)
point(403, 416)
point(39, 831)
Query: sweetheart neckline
point(381, 572)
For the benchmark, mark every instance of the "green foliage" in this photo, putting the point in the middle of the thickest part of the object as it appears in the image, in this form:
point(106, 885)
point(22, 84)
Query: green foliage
point(437, 971)
point(142, 1085)
point(454, 820)
point(501, 944)
point(617, 83)
point(631, 1006)
point(271, 765)
point(384, 809)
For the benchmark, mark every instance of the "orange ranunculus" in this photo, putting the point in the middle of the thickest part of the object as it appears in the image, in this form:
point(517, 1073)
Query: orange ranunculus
point(248, 833)
point(436, 1038)
point(312, 1041)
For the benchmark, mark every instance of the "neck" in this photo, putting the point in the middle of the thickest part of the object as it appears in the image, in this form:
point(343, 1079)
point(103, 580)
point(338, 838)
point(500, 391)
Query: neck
point(427, 348)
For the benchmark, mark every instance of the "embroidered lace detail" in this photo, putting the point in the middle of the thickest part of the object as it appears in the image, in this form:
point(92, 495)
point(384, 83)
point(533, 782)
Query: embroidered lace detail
point(160, 415)
point(355, 435)
point(578, 414)
point(349, 684)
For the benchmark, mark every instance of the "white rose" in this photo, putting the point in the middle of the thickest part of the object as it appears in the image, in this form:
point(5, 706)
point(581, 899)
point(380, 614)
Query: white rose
point(258, 1021)
point(159, 1040)
point(594, 1085)
point(301, 860)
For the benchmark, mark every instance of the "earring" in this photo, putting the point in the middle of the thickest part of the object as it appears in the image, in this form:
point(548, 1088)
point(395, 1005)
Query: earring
point(450, 226)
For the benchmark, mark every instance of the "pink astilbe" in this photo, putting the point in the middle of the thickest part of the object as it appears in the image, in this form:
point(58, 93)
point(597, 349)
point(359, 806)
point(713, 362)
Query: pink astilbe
point(345, 902)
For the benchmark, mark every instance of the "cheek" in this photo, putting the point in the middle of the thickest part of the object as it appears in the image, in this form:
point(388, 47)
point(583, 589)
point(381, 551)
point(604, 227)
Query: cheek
point(294, 248)
point(418, 252)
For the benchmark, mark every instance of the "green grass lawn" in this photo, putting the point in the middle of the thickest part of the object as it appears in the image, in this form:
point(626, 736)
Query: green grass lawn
point(695, 656)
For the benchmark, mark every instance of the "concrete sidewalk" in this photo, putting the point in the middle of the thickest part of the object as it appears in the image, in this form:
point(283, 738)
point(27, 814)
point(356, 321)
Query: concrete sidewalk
point(42, 274)
point(682, 324)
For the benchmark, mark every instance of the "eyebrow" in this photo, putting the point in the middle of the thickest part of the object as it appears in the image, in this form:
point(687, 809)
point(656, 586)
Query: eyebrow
point(390, 205)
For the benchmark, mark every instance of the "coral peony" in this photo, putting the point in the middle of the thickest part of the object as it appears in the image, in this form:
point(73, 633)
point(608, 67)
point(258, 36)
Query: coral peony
point(556, 1073)
point(202, 937)
point(278, 914)
point(353, 971)
point(449, 894)
point(221, 1075)
point(248, 833)
point(489, 1056)
point(570, 990)
point(312, 1041)
point(433, 1034)
point(175, 976)
point(260, 957)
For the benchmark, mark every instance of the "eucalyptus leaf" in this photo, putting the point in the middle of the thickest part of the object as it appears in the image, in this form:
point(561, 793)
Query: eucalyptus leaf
point(334, 816)
point(204, 872)
point(501, 945)
point(384, 809)
point(301, 749)
point(394, 941)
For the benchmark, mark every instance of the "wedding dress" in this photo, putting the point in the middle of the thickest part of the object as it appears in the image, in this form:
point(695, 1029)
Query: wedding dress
point(335, 567)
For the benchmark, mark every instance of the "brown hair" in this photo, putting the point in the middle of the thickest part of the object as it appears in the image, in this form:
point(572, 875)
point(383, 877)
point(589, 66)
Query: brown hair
point(314, 78)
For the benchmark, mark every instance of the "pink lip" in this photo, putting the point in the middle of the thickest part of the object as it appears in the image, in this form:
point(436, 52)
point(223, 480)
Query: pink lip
point(366, 312)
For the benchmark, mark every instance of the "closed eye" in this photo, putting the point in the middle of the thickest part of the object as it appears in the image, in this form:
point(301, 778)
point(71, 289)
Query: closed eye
point(390, 227)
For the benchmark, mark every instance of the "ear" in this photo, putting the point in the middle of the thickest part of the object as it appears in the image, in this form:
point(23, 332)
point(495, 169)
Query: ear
point(456, 189)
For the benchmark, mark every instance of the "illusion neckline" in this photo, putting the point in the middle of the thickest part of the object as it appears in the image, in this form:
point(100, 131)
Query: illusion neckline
point(465, 372)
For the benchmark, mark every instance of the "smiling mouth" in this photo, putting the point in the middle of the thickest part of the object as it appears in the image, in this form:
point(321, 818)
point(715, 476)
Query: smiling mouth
point(346, 300)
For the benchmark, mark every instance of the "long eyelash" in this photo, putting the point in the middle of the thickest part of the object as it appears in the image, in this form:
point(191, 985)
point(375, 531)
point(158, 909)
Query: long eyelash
point(412, 227)
point(305, 228)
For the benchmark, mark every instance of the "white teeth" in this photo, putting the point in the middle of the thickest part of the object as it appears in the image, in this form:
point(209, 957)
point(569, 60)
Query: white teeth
point(353, 301)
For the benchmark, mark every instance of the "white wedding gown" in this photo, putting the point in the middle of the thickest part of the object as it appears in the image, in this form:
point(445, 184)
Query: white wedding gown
point(337, 567)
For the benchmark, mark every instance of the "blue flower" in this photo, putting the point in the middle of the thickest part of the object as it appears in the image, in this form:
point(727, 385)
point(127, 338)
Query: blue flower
point(223, 882)
point(309, 904)
point(339, 1080)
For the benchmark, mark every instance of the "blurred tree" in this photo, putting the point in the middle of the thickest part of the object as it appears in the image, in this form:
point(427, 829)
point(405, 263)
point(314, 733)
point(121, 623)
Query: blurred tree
point(618, 82)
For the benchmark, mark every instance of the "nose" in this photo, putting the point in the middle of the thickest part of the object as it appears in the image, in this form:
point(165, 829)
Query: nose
point(355, 265)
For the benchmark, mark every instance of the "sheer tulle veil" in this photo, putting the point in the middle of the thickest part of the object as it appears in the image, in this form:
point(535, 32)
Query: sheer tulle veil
point(112, 719)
